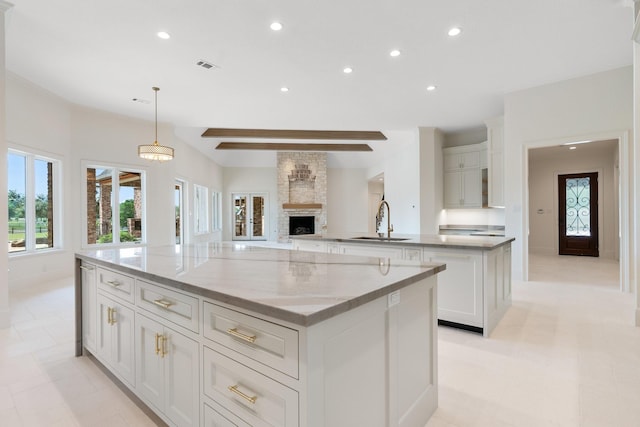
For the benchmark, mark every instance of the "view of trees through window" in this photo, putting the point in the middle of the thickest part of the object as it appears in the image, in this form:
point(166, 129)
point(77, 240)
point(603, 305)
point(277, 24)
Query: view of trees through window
point(107, 188)
point(30, 202)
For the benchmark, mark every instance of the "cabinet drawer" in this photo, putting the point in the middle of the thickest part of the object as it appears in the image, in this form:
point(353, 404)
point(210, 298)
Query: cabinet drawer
point(253, 397)
point(174, 306)
point(273, 345)
point(213, 418)
point(116, 284)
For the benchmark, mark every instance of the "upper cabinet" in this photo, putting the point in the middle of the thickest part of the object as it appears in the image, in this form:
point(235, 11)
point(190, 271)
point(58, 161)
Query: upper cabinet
point(463, 176)
point(495, 161)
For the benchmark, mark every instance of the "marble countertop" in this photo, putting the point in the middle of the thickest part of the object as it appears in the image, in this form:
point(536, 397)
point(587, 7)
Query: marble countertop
point(295, 286)
point(426, 240)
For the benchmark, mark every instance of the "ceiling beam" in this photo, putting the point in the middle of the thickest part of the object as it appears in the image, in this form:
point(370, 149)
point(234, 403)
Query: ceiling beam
point(294, 134)
point(279, 146)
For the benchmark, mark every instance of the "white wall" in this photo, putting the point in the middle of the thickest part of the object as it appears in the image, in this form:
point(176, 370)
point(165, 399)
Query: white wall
point(250, 180)
point(490, 216)
point(545, 164)
point(581, 107)
point(40, 121)
point(431, 179)
point(402, 185)
point(4, 265)
point(347, 201)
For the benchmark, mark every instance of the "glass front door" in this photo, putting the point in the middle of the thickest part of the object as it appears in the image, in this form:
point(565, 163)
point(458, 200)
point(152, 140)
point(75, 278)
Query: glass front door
point(249, 216)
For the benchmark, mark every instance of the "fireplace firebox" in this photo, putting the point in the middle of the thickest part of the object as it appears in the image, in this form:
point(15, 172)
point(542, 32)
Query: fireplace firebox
point(301, 225)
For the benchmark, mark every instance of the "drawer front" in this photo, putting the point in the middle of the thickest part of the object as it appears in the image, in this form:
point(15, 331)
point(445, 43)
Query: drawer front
point(273, 345)
point(174, 306)
point(213, 418)
point(116, 284)
point(253, 397)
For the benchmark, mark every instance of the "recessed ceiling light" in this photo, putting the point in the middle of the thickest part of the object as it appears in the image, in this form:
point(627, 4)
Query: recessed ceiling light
point(141, 101)
point(284, 89)
point(163, 35)
point(454, 31)
point(586, 141)
point(431, 88)
point(394, 53)
point(276, 26)
point(348, 70)
point(572, 148)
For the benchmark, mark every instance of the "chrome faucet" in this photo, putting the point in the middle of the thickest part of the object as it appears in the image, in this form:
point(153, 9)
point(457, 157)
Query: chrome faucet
point(389, 225)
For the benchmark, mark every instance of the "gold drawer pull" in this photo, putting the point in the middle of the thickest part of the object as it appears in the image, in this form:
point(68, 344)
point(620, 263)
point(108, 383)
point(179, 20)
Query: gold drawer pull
point(247, 338)
point(111, 318)
point(158, 343)
point(114, 283)
point(84, 267)
point(162, 303)
point(250, 399)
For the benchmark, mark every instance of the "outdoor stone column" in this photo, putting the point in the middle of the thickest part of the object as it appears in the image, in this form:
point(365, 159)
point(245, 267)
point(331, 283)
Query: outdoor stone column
point(5, 320)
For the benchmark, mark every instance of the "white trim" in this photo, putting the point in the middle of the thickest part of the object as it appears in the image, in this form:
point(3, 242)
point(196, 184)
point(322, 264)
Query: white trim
point(624, 201)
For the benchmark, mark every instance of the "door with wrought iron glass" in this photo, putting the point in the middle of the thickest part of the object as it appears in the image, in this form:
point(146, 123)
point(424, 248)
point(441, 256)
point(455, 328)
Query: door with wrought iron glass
point(578, 214)
point(250, 216)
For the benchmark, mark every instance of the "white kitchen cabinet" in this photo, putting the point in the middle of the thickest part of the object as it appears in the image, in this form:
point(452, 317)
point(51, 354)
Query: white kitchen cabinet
point(215, 418)
point(460, 292)
point(89, 309)
point(463, 176)
point(167, 369)
point(497, 280)
point(463, 189)
point(393, 252)
point(495, 161)
point(115, 337)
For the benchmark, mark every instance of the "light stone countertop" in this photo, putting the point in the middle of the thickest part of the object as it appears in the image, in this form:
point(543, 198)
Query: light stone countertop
point(424, 240)
point(295, 286)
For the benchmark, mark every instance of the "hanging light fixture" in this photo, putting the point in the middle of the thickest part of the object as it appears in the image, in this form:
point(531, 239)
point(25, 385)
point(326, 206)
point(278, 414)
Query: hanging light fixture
point(155, 151)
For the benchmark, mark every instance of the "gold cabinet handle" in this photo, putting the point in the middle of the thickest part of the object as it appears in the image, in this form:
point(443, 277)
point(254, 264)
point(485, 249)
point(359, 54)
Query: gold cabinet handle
point(162, 303)
point(247, 338)
point(163, 341)
point(158, 343)
point(85, 268)
point(250, 399)
point(109, 315)
point(113, 316)
point(114, 283)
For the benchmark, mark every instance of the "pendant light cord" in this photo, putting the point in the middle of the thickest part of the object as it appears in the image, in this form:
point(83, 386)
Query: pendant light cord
point(156, 89)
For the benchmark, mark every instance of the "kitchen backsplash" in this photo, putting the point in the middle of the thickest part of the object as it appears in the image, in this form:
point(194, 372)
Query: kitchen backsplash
point(494, 216)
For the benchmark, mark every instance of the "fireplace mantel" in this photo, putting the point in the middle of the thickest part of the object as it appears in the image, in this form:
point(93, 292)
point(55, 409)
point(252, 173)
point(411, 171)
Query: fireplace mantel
point(302, 206)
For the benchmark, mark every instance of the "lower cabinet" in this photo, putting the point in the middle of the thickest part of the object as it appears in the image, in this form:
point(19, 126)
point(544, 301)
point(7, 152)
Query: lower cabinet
point(115, 337)
point(89, 315)
point(460, 290)
point(167, 371)
point(213, 418)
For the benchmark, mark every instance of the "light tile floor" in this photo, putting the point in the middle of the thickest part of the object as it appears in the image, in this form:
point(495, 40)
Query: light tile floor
point(566, 354)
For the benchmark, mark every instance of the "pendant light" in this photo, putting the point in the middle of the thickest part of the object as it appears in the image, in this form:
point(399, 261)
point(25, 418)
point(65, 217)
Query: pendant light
point(155, 151)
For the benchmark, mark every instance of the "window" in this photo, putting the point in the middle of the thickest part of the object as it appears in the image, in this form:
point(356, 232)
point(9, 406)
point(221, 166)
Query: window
point(108, 188)
point(33, 199)
point(200, 209)
point(216, 210)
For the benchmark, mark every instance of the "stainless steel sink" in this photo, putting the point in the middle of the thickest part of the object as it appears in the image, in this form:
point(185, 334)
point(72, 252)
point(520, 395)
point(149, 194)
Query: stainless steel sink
point(381, 239)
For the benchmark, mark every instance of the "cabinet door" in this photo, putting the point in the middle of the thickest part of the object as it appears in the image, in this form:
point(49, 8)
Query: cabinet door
point(89, 308)
point(452, 162)
point(182, 383)
point(452, 189)
point(149, 364)
point(116, 337)
point(472, 188)
point(460, 294)
point(470, 160)
point(213, 418)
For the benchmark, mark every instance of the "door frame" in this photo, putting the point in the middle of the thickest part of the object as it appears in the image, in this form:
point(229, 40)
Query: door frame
point(625, 228)
point(556, 204)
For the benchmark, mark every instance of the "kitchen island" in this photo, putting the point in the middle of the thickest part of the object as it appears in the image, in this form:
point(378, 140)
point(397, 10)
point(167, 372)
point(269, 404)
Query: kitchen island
point(474, 292)
point(224, 334)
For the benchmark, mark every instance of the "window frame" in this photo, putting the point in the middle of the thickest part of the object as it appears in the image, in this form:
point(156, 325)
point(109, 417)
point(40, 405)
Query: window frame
point(216, 210)
point(200, 210)
point(31, 156)
point(116, 169)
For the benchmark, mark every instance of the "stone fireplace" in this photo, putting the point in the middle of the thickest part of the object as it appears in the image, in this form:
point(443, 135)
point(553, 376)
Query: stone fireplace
point(302, 193)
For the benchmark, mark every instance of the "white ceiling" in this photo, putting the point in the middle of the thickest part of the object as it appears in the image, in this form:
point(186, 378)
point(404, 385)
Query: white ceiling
point(104, 53)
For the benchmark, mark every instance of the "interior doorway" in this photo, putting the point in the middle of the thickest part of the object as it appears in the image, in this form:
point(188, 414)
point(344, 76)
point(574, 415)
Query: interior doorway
point(178, 197)
point(578, 214)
